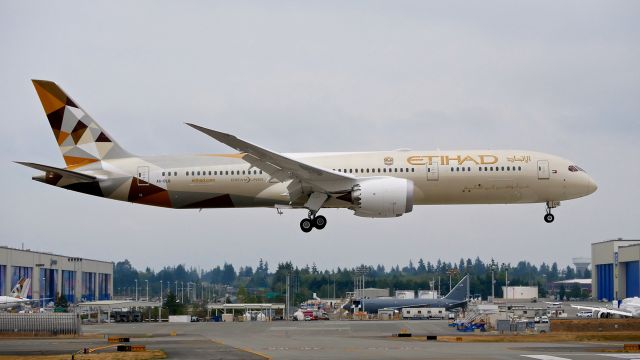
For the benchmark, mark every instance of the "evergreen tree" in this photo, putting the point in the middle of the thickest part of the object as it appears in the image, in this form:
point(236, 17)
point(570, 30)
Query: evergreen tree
point(173, 306)
point(61, 302)
point(421, 267)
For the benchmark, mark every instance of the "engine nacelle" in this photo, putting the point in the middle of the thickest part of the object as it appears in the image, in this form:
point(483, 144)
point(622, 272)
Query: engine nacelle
point(382, 197)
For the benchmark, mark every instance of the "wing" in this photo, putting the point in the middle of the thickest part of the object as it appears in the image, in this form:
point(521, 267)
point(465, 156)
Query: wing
point(603, 310)
point(284, 168)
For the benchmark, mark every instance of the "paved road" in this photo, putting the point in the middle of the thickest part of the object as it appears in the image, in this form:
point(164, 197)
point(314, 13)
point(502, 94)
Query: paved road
point(354, 340)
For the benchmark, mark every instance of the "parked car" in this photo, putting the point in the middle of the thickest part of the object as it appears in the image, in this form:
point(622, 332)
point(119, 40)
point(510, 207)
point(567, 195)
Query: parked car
point(585, 314)
point(536, 319)
point(544, 320)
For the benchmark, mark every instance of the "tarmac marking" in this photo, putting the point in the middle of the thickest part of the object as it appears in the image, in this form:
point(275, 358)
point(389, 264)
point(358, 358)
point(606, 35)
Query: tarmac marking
point(622, 356)
point(250, 351)
point(545, 357)
point(306, 328)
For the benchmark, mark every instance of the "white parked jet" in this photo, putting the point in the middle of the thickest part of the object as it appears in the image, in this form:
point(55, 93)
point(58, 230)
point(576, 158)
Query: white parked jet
point(629, 307)
point(376, 184)
point(18, 295)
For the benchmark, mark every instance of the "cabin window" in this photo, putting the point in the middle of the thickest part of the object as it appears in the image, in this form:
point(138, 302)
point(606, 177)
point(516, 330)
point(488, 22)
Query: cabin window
point(503, 168)
point(519, 168)
point(215, 172)
point(362, 171)
point(457, 168)
point(356, 171)
point(413, 169)
point(463, 168)
point(395, 170)
point(468, 168)
point(508, 168)
point(367, 170)
point(260, 172)
point(400, 169)
point(226, 172)
point(163, 173)
point(480, 168)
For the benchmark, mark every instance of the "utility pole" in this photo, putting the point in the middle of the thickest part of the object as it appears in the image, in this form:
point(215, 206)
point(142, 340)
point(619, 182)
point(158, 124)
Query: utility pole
point(287, 300)
point(506, 283)
point(493, 281)
point(182, 292)
point(136, 280)
point(147, 281)
point(160, 307)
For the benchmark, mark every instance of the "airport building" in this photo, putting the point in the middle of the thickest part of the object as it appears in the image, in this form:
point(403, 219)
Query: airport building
point(78, 279)
point(616, 269)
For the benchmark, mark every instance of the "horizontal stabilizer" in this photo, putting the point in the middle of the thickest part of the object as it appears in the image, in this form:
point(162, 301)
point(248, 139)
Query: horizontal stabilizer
point(66, 173)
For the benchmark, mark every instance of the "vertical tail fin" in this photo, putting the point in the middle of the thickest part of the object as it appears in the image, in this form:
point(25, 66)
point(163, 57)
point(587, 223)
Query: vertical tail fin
point(459, 292)
point(25, 288)
point(21, 290)
point(81, 140)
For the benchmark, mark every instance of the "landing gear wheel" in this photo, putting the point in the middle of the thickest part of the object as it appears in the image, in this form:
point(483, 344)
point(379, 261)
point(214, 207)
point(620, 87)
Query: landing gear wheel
point(319, 222)
point(306, 225)
point(548, 218)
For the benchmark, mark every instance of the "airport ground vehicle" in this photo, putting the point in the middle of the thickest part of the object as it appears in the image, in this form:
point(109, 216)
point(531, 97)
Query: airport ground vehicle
point(584, 314)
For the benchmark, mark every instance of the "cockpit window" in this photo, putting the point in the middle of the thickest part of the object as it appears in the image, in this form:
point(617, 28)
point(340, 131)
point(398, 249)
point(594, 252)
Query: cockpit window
point(575, 168)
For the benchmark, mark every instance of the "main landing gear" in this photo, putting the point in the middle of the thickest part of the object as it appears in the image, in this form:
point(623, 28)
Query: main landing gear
point(313, 221)
point(548, 217)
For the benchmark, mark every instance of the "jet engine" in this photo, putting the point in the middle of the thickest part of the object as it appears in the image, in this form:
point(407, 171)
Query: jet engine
point(382, 197)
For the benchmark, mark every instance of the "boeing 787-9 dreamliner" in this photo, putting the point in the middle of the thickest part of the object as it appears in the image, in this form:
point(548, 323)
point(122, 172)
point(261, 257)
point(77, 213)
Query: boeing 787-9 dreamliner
point(376, 184)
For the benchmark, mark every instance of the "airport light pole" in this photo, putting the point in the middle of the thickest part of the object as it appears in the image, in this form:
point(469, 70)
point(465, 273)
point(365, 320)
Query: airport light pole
point(182, 292)
point(451, 272)
point(287, 294)
point(136, 280)
point(493, 281)
point(147, 281)
point(160, 306)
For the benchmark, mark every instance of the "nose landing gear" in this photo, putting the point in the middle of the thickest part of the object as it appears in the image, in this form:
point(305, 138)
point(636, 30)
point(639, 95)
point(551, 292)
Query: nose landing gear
point(548, 217)
point(313, 221)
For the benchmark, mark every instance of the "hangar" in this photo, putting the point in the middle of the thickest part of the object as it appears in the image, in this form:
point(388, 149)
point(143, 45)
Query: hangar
point(616, 269)
point(78, 279)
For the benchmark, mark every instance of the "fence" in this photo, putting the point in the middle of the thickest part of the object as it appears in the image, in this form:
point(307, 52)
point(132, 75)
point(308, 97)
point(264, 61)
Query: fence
point(39, 324)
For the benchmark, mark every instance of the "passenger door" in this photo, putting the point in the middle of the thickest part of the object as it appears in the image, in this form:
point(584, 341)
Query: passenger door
point(432, 171)
point(143, 175)
point(543, 169)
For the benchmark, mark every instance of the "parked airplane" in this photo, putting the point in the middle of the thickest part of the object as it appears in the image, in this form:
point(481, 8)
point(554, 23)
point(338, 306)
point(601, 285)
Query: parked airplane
point(376, 184)
point(628, 307)
point(456, 298)
point(18, 295)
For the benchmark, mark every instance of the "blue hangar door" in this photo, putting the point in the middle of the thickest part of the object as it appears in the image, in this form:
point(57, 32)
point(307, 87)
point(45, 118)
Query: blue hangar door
point(604, 277)
point(633, 278)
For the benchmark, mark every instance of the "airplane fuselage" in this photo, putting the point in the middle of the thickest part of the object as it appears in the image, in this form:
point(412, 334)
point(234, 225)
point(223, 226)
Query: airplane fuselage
point(439, 177)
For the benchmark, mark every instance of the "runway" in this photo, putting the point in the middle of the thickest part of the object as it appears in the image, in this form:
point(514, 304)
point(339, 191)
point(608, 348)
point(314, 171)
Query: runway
point(313, 340)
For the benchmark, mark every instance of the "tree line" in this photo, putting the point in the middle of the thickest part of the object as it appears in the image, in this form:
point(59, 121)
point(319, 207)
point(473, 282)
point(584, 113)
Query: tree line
point(225, 283)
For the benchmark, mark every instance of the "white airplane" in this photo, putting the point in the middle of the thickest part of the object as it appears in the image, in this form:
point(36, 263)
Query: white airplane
point(18, 295)
point(379, 184)
point(629, 307)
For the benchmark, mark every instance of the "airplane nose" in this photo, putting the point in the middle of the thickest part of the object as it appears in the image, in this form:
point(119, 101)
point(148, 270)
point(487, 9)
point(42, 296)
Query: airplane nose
point(592, 186)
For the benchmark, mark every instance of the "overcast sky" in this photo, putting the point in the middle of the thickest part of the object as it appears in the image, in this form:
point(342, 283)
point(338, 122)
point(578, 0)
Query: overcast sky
point(561, 77)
